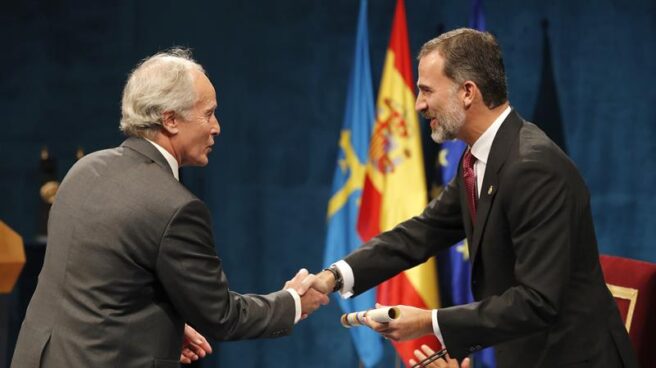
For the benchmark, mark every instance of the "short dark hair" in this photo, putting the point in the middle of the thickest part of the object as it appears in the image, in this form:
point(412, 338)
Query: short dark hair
point(472, 55)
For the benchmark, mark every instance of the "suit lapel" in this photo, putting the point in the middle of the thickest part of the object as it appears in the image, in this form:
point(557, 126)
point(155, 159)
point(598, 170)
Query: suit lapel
point(503, 140)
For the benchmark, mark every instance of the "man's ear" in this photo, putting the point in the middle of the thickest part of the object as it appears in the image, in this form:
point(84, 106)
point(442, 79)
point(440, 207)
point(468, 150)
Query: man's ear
point(170, 122)
point(470, 90)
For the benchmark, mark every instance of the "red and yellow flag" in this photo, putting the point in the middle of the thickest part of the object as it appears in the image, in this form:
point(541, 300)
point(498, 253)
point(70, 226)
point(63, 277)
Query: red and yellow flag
point(395, 185)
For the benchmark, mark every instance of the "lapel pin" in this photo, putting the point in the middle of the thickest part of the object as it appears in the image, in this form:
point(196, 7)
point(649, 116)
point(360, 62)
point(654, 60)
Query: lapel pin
point(490, 190)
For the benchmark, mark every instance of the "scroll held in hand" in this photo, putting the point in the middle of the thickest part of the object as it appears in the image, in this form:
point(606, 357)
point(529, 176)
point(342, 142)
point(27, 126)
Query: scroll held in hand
point(380, 315)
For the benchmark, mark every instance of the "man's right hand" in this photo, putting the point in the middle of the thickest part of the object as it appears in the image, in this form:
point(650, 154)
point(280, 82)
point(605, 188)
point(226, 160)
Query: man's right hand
point(311, 299)
point(323, 282)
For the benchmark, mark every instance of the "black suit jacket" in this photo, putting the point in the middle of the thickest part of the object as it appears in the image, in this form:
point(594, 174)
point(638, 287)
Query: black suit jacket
point(540, 295)
point(130, 259)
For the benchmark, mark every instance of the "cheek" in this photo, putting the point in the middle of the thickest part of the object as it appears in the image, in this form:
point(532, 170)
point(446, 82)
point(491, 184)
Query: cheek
point(435, 105)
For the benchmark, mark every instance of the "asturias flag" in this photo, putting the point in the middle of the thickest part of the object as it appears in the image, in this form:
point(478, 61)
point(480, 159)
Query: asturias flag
point(395, 187)
point(342, 237)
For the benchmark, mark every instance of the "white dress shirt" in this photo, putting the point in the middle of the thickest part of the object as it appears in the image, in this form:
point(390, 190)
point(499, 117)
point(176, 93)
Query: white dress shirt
point(173, 163)
point(480, 150)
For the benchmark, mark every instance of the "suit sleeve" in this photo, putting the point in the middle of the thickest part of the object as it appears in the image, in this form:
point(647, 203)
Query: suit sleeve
point(191, 273)
point(541, 211)
point(409, 243)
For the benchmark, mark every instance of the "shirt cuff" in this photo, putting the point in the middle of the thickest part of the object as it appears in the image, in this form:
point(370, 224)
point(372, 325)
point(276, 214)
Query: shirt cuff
point(297, 304)
point(436, 329)
point(347, 276)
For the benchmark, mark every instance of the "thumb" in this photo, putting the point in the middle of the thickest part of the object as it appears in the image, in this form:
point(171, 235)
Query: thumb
point(305, 281)
point(300, 275)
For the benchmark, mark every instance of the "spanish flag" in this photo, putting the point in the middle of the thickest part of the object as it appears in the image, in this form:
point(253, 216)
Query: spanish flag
point(395, 185)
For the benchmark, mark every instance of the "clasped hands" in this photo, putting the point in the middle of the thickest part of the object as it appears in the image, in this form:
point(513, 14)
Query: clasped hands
point(311, 298)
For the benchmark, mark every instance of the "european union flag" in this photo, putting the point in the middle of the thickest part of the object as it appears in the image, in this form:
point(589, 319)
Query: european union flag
point(343, 208)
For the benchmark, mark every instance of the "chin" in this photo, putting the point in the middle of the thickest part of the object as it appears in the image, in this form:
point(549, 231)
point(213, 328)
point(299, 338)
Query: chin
point(200, 162)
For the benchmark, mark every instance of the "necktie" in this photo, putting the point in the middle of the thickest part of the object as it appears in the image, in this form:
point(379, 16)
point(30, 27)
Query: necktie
point(469, 176)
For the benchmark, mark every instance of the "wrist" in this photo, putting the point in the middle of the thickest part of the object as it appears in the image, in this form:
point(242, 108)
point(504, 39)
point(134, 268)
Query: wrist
point(332, 278)
point(427, 322)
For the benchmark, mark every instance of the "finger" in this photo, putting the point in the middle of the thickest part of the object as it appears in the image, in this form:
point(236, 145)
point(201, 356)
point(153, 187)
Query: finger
point(306, 283)
point(198, 340)
point(451, 363)
point(412, 362)
point(198, 350)
point(378, 327)
point(189, 357)
point(184, 360)
point(203, 344)
point(420, 354)
point(466, 363)
point(189, 354)
point(301, 274)
point(392, 336)
point(427, 350)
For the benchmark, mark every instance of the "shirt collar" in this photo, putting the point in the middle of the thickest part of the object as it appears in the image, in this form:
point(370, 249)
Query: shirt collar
point(483, 145)
point(173, 163)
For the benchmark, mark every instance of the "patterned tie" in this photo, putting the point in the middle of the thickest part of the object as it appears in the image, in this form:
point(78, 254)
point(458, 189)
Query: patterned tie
point(469, 176)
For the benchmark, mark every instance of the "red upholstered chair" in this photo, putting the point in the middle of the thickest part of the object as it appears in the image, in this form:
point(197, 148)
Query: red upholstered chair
point(633, 284)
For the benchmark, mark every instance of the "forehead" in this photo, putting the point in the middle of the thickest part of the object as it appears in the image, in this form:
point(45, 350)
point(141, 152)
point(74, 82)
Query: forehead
point(431, 68)
point(204, 88)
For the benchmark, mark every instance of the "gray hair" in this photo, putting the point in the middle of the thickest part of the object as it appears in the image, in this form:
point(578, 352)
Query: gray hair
point(162, 82)
point(472, 55)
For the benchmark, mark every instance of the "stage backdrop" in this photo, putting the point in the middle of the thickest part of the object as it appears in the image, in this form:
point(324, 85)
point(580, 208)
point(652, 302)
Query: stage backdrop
point(280, 69)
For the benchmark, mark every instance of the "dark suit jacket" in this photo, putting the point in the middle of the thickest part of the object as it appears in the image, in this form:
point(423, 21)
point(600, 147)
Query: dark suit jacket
point(540, 295)
point(130, 258)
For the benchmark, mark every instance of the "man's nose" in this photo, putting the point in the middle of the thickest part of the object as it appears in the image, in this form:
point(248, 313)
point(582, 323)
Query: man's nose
point(420, 104)
point(216, 130)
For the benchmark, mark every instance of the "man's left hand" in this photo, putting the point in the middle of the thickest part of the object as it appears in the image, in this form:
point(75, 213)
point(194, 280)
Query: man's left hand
point(194, 346)
point(412, 323)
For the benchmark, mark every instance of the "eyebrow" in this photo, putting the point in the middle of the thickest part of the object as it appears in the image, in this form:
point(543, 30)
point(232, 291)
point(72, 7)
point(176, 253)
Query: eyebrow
point(422, 86)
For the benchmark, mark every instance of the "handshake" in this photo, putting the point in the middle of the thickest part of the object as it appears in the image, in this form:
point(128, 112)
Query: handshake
point(313, 289)
point(309, 289)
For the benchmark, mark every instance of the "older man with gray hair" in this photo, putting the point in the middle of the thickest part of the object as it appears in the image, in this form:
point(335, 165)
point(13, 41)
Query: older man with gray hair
point(131, 264)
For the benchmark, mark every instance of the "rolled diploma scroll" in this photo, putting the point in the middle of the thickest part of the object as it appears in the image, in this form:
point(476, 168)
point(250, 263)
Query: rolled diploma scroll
point(380, 315)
